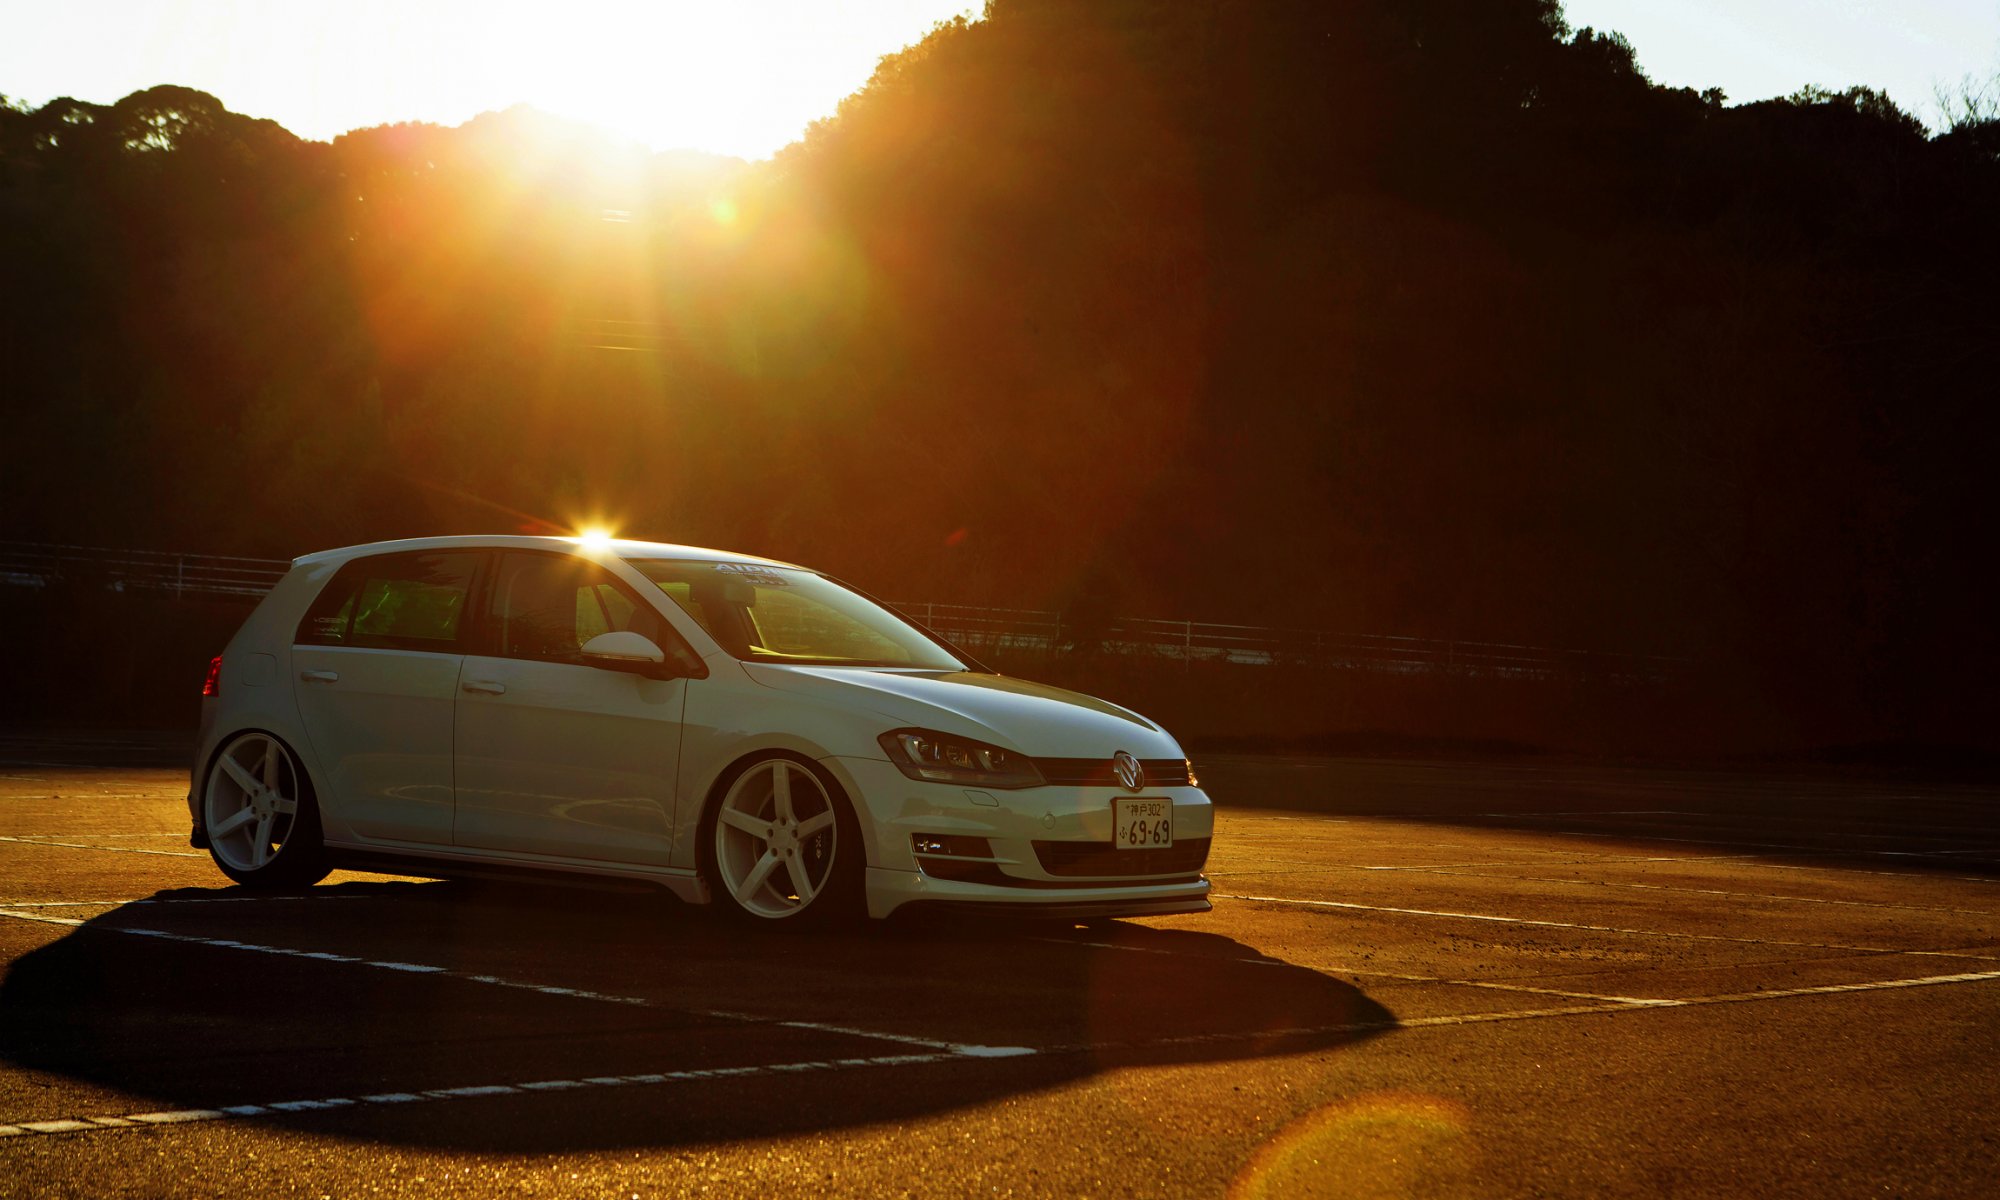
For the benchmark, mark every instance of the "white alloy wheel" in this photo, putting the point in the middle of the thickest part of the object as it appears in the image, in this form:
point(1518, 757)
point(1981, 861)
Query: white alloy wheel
point(777, 840)
point(251, 809)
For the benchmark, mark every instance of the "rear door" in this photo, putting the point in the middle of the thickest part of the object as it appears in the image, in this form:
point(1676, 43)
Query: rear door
point(556, 757)
point(375, 668)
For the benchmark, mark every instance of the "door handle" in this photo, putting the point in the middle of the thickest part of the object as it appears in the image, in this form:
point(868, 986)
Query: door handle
point(485, 685)
point(319, 676)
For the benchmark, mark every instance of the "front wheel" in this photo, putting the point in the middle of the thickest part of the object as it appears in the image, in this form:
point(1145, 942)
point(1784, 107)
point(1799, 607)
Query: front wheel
point(781, 845)
point(257, 807)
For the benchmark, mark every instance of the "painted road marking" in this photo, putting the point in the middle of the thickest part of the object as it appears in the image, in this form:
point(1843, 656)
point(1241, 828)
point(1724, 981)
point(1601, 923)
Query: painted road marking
point(473, 1092)
point(1263, 1036)
point(33, 841)
point(1656, 933)
point(953, 1048)
point(1695, 891)
point(264, 899)
point(1347, 970)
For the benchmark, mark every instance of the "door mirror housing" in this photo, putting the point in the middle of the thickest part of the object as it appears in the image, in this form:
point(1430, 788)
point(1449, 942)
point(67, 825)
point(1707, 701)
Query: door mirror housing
point(632, 652)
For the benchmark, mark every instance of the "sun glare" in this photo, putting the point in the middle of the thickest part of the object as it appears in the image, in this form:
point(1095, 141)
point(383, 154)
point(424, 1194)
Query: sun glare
point(742, 78)
point(594, 537)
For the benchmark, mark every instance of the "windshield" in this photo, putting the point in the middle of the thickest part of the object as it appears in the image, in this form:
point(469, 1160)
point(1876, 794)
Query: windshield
point(782, 614)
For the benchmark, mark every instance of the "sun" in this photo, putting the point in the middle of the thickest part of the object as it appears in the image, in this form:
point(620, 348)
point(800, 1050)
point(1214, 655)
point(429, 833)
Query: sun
point(741, 79)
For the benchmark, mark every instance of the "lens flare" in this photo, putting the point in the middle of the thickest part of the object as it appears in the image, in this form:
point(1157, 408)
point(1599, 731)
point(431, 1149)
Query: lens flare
point(1382, 1144)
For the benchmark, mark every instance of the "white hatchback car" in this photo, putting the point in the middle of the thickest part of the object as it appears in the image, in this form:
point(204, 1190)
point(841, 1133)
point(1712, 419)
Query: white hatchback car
point(728, 727)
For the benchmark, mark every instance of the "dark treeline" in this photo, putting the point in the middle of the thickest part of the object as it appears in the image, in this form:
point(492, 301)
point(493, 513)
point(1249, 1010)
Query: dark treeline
point(1397, 316)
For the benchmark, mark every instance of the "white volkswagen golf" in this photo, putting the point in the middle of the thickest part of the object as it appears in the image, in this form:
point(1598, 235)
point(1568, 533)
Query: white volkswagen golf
point(740, 731)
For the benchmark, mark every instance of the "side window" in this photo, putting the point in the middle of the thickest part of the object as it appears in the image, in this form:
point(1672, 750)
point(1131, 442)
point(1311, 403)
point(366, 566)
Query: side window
point(326, 623)
point(397, 601)
point(547, 606)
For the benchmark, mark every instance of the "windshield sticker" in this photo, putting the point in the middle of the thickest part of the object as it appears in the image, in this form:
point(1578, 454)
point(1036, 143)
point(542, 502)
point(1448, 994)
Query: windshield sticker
point(754, 574)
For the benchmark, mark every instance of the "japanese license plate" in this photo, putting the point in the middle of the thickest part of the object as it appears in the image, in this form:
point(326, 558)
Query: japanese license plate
point(1141, 824)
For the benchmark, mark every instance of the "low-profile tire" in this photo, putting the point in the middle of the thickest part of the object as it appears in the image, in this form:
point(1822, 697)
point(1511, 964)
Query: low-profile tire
point(262, 821)
point(780, 847)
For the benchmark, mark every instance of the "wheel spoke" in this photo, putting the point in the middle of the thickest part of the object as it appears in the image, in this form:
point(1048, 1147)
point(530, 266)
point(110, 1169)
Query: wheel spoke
point(781, 789)
point(231, 823)
point(755, 879)
point(812, 825)
point(796, 864)
point(260, 844)
point(270, 764)
point(284, 805)
point(736, 818)
point(240, 775)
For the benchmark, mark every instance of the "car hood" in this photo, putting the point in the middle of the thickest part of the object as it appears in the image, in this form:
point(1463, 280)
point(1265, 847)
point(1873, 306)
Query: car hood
point(1028, 718)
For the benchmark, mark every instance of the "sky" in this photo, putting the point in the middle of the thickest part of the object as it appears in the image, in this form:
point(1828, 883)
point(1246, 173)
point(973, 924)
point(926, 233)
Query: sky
point(741, 77)
point(1756, 49)
point(745, 77)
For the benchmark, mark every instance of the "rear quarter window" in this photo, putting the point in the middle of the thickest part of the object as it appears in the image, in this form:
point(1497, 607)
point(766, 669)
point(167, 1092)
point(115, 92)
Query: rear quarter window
point(399, 601)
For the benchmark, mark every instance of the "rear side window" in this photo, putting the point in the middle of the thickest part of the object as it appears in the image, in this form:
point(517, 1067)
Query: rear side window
point(395, 601)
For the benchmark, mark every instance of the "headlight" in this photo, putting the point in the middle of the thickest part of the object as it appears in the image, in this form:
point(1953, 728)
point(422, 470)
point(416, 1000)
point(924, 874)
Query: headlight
point(942, 758)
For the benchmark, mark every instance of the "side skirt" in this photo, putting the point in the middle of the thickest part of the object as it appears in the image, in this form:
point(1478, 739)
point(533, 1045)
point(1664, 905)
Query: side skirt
point(463, 865)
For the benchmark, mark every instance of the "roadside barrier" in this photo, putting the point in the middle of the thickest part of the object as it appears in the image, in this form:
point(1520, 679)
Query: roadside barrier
point(1009, 631)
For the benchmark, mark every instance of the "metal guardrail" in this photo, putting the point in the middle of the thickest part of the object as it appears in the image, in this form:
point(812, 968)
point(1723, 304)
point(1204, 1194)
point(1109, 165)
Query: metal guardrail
point(998, 631)
point(36, 564)
point(1013, 631)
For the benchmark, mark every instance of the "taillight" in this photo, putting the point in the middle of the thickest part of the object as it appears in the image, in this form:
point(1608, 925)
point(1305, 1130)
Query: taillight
point(212, 686)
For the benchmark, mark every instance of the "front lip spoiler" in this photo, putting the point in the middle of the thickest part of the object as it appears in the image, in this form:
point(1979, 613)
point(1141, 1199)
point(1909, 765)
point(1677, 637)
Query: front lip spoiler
point(1064, 911)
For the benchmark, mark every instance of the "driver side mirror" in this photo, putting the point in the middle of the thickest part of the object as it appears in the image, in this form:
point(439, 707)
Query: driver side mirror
point(631, 652)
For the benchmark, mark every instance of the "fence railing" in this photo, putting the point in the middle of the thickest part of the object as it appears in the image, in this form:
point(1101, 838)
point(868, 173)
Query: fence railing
point(1008, 632)
point(1016, 631)
point(34, 564)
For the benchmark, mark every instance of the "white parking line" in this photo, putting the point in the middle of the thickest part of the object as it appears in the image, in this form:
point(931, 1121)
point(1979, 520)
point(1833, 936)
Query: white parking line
point(1835, 826)
point(533, 1087)
point(1695, 891)
point(178, 836)
point(33, 841)
point(259, 899)
point(1347, 970)
point(473, 1092)
point(953, 1048)
point(1577, 925)
point(1787, 847)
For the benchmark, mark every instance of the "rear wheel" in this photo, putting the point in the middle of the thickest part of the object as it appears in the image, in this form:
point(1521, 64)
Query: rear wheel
point(781, 845)
point(257, 808)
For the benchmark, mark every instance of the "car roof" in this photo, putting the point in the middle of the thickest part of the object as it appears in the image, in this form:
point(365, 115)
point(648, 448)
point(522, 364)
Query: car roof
point(622, 547)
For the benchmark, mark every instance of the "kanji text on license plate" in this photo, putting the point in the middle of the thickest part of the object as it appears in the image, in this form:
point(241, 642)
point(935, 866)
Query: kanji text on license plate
point(1141, 824)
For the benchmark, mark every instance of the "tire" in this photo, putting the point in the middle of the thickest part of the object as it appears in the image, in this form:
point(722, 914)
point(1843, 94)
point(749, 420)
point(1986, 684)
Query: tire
point(262, 821)
point(763, 869)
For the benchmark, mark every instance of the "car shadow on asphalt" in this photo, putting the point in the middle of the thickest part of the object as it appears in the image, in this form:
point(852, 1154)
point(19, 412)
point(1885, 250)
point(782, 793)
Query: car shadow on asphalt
point(374, 989)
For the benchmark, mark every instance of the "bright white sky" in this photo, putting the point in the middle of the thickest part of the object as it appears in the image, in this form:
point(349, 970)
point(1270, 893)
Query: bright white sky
point(1756, 49)
point(745, 77)
point(740, 77)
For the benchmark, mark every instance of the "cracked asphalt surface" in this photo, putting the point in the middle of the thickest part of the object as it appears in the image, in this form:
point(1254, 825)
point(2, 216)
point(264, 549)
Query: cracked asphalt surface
point(1420, 979)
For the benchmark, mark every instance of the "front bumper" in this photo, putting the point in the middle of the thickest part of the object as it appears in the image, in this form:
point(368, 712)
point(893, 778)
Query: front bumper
point(890, 891)
point(1015, 877)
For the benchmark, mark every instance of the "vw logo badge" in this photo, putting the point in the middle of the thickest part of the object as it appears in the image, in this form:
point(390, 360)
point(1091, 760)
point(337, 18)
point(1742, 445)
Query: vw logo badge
point(1128, 770)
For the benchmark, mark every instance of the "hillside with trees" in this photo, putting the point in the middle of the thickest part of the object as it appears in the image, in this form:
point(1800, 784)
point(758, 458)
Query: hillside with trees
point(1390, 316)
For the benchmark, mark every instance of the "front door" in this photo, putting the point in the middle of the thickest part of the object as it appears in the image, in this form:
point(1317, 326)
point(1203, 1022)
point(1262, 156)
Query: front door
point(555, 757)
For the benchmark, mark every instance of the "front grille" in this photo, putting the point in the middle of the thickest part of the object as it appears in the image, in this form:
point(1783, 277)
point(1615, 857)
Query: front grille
point(1096, 772)
point(1098, 858)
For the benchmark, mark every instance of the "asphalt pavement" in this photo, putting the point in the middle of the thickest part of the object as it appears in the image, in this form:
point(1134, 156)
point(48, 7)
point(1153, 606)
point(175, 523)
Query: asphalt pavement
point(1420, 979)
